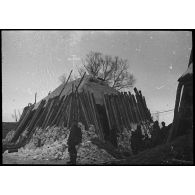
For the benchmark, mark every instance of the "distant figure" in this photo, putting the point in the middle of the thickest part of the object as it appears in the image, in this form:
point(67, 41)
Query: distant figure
point(136, 140)
point(155, 134)
point(74, 139)
point(164, 132)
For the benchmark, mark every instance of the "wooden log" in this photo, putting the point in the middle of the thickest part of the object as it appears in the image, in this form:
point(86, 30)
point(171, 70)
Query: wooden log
point(111, 112)
point(52, 109)
point(141, 110)
point(60, 115)
point(138, 104)
point(130, 109)
point(97, 118)
point(48, 113)
point(55, 109)
point(69, 111)
point(65, 113)
point(84, 111)
point(22, 124)
point(107, 112)
point(118, 112)
point(91, 112)
point(25, 110)
point(59, 111)
point(121, 111)
point(80, 82)
point(44, 113)
point(135, 108)
point(65, 84)
point(82, 117)
point(87, 105)
point(116, 117)
point(34, 118)
point(94, 114)
point(124, 103)
point(35, 98)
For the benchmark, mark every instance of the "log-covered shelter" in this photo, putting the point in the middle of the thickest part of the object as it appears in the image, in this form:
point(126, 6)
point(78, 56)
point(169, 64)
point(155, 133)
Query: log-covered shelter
point(88, 100)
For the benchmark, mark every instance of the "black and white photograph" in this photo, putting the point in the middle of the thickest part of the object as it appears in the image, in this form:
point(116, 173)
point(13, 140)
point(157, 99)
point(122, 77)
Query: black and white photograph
point(97, 97)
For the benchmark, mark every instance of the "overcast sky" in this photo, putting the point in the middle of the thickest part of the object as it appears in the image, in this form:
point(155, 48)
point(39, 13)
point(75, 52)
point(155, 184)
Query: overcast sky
point(34, 60)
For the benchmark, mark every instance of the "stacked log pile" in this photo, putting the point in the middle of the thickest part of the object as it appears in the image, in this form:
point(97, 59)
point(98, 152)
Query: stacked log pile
point(124, 110)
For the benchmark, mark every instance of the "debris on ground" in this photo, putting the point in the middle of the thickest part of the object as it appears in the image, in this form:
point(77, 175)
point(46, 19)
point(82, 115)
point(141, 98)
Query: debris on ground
point(51, 144)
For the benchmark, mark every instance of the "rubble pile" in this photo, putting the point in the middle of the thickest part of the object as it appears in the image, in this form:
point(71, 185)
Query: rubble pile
point(124, 144)
point(49, 136)
point(89, 153)
point(51, 144)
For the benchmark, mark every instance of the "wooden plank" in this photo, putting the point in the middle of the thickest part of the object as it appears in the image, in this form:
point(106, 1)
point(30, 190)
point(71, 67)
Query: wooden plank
point(84, 111)
point(54, 111)
point(121, 111)
point(34, 118)
point(97, 117)
point(59, 111)
point(48, 113)
point(87, 105)
point(115, 99)
point(107, 112)
point(130, 100)
point(116, 117)
point(25, 110)
point(139, 104)
point(65, 84)
point(93, 118)
point(80, 82)
point(124, 103)
point(130, 109)
point(94, 114)
point(62, 115)
point(44, 113)
point(69, 111)
point(90, 108)
point(22, 125)
point(134, 103)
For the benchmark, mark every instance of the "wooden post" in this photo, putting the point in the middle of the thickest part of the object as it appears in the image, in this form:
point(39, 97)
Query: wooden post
point(44, 113)
point(84, 111)
point(130, 109)
point(59, 111)
point(97, 118)
point(80, 82)
point(48, 113)
point(125, 112)
point(35, 116)
point(115, 113)
point(22, 124)
point(35, 98)
point(107, 112)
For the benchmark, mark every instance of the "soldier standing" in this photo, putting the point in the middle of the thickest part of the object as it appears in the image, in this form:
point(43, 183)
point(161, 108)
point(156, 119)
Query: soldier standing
point(74, 139)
